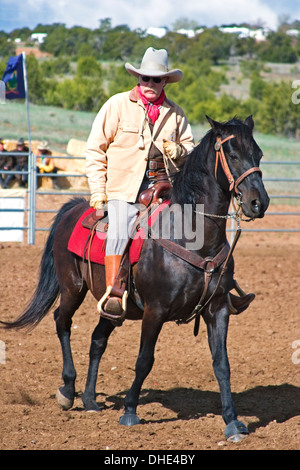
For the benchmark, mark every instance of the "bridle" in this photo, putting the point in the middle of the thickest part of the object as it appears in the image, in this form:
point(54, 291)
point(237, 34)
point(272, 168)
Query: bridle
point(233, 184)
point(220, 156)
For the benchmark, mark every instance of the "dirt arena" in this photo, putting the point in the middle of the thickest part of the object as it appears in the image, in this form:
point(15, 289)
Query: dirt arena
point(180, 405)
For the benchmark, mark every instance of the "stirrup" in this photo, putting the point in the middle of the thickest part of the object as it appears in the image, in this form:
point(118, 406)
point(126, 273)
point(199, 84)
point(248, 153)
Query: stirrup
point(109, 316)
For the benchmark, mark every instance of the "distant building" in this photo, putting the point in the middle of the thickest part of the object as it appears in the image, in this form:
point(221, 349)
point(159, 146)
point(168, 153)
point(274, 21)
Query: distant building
point(190, 33)
point(242, 32)
point(259, 34)
point(38, 37)
point(157, 32)
point(162, 31)
point(293, 32)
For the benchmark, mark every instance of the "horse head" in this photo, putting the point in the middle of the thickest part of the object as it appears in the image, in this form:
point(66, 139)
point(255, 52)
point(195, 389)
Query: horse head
point(236, 166)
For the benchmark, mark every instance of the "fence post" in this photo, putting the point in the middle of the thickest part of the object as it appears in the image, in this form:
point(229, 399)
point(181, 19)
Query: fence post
point(32, 184)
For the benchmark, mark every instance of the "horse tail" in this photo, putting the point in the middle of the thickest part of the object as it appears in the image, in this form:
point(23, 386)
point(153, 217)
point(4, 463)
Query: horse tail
point(47, 290)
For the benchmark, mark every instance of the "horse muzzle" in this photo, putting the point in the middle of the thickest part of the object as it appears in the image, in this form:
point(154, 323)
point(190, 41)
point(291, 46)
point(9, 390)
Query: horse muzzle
point(255, 204)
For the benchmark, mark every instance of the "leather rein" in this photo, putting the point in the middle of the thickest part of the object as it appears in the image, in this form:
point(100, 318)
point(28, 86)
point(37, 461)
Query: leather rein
point(209, 264)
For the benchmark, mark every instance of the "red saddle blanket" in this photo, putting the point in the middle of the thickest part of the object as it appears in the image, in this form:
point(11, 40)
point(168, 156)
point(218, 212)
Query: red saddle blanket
point(79, 239)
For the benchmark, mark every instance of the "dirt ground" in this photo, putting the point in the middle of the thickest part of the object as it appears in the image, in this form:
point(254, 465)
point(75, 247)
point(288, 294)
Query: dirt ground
point(180, 404)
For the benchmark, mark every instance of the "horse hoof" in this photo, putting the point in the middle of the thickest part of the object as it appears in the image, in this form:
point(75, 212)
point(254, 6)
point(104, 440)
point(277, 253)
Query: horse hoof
point(236, 438)
point(64, 402)
point(90, 405)
point(235, 431)
point(129, 419)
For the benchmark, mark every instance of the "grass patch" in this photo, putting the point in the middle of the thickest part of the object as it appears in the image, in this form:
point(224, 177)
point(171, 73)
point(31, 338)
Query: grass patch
point(56, 125)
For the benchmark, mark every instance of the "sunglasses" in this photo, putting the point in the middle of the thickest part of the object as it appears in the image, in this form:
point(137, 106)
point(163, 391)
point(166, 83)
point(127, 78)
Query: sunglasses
point(155, 79)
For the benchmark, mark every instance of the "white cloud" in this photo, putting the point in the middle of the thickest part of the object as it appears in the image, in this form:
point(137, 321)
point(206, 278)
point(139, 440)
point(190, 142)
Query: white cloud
point(217, 12)
point(142, 14)
point(137, 13)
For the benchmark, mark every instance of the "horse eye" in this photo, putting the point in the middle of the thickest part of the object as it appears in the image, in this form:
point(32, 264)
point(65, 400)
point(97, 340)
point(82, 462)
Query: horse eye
point(234, 156)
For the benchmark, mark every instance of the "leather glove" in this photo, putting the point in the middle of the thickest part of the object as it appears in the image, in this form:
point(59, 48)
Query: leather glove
point(98, 200)
point(172, 149)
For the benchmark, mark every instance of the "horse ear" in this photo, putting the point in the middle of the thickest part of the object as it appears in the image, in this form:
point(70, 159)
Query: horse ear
point(249, 122)
point(214, 124)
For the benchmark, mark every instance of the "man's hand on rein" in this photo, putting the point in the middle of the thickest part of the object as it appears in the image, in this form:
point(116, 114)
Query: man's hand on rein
point(98, 200)
point(172, 150)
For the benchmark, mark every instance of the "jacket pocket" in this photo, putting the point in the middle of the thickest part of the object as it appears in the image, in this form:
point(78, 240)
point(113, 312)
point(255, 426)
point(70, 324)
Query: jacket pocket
point(128, 127)
point(127, 135)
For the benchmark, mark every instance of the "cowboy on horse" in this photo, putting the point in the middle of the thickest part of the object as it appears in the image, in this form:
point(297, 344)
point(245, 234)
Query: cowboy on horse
point(138, 139)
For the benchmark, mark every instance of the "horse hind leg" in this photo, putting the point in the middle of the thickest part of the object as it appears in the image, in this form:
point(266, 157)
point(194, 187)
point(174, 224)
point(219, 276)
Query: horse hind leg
point(63, 317)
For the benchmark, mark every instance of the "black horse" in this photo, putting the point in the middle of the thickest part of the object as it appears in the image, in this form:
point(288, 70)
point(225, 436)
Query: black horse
point(164, 287)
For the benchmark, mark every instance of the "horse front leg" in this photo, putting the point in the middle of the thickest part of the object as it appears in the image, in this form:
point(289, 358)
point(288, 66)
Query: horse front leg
point(151, 327)
point(217, 328)
point(98, 345)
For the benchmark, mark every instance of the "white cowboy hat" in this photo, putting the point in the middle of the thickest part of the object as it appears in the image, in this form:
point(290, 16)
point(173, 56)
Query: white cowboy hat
point(43, 145)
point(155, 64)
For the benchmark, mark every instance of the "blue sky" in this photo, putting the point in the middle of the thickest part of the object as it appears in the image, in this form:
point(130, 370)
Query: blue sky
point(143, 13)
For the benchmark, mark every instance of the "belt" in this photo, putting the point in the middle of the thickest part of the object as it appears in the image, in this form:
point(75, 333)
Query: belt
point(154, 168)
point(155, 165)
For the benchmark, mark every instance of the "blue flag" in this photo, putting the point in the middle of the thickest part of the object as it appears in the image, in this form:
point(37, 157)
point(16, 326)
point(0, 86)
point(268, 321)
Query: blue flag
point(14, 78)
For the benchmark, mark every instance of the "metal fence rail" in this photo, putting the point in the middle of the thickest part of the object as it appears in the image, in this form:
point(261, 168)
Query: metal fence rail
point(33, 193)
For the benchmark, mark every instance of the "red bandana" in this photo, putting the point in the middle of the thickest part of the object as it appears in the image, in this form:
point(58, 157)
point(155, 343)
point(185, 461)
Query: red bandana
point(152, 108)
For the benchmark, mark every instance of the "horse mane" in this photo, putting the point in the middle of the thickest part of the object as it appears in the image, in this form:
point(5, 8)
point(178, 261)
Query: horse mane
point(189, 181)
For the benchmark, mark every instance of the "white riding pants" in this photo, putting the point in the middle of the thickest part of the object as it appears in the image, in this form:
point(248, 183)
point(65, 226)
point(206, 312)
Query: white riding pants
point(121, 217)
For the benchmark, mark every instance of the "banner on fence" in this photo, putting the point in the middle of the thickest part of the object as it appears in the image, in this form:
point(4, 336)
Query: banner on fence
point(12, 206)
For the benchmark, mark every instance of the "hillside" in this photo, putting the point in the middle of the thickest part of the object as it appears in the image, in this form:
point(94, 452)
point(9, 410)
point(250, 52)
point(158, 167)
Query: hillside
point(238, 82)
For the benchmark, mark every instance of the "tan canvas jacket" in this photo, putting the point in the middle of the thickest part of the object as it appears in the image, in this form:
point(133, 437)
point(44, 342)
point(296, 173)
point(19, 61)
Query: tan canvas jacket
point(114, 161)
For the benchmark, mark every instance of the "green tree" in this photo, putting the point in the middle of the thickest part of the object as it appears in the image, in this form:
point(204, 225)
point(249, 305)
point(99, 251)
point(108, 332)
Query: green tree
point(258, 87)
point(77, 94)
point(22, 33)
point(199, 85)
point(277, 113)
point(119, 44)
point(88, 67)
point(6, 48)
point(120, 80)
point(57, 66)
point(64, 41)
point(277, 48)
point(212, 45)
point(36, 80)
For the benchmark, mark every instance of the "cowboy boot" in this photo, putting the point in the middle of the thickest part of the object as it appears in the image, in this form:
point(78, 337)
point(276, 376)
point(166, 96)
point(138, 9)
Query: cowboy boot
point(239, 304)
point(113, 305)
